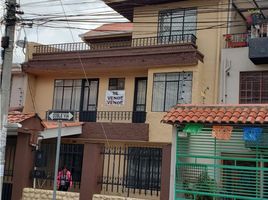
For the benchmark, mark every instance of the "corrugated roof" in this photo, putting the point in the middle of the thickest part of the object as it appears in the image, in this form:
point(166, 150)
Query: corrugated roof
point(218, 114)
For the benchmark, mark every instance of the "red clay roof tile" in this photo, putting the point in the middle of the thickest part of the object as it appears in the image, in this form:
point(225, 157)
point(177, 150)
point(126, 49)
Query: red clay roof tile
point(18, 117)
point(52, 125)
point(240, 113)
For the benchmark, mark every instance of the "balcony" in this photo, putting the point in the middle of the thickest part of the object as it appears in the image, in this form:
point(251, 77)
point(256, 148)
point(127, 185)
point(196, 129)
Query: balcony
point(113, 116)
point(236, 40)
point(138, 54)
point(256, 40)
point(136, 42)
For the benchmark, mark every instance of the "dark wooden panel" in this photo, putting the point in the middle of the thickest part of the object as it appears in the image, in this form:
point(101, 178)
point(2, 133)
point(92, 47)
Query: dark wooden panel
point(115, 131)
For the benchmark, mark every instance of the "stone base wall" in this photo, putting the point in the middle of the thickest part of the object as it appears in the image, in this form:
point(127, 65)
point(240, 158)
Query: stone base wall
point(37, 194)
point(107, 197)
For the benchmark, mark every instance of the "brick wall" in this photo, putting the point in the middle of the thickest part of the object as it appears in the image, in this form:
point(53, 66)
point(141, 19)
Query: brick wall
point(37, 194)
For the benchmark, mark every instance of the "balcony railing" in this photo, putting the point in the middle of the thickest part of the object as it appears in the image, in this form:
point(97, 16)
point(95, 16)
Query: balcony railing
point(136, 42)
point(242, 39)
point(236, 40)
point(112, 116)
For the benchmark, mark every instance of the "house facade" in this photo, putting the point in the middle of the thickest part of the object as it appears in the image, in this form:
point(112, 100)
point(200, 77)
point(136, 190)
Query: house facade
point(219, 150)
point(120, 81)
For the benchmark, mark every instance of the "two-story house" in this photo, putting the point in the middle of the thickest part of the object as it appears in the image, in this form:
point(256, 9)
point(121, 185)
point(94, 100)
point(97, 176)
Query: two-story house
point(120, 81)
point(220, 151)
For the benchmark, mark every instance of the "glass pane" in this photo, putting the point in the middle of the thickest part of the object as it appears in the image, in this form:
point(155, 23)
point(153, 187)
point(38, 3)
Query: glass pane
point(57, 98)
point(58, 82)
point(121, 84)
point(185, 92)
point(66, 105)
point(112, 83)
point(78, 83)
point(171, 95)
point(164, 25)
point(85, 103)
point(173, 76)
point(177, 22)
point(158, 96)
point(190, 22)
point(76, 98)
point(141, 95)
point(93, 95)
point(68, 82)
point(159, 77)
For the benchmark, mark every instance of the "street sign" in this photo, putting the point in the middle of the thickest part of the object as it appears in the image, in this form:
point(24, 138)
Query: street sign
point(55, 115)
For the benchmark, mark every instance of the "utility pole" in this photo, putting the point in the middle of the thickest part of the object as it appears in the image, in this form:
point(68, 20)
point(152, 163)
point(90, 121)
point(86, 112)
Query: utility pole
point(7, 45)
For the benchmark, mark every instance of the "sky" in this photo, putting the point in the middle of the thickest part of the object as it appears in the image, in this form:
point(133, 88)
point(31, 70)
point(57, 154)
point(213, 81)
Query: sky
point(94, 13)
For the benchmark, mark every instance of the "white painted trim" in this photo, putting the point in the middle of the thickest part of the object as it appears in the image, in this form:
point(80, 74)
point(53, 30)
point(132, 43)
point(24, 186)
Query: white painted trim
point(65, 131)
point(173, 163)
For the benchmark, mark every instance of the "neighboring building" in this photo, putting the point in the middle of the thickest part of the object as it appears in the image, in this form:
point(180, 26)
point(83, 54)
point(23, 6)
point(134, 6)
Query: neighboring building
point(121, 80)
point(219, 151)
point(244, 62)
point(18, 88)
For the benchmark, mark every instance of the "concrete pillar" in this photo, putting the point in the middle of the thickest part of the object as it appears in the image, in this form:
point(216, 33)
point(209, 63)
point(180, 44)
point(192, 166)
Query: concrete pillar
point(23, 165)
point(91, 170)
point(165, 173)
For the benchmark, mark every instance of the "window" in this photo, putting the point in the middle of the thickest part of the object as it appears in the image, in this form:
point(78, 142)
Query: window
point(76, 95)
point(144, 168)
point(116, 84)
point(253, 87)
point(177, 22)
point(170, 89)
point(67, 94)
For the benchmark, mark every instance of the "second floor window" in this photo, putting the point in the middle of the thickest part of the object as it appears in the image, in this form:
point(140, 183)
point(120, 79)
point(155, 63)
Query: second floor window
point(116, 84)
point(67, 94)
point(176, 22)
point(253, 87)
point(170, 89)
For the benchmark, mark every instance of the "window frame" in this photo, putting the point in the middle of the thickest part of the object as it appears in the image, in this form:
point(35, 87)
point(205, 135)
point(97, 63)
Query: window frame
point(62, 96)
point(117, 86)
point(144, 181)
point(163, 108)
point(245, 99)
point(171, 11)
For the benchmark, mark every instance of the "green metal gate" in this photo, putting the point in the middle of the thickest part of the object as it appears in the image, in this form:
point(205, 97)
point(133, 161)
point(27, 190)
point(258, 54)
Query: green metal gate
point(209, 168)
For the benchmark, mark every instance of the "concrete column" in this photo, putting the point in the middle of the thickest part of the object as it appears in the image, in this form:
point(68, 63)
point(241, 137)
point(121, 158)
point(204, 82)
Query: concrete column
point(23, 165)
point(91, 170)
point(165, 173)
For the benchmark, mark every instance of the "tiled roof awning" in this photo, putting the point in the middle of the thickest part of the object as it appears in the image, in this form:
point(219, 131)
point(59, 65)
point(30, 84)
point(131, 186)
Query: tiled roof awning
point(18, 117)
point(218, 114)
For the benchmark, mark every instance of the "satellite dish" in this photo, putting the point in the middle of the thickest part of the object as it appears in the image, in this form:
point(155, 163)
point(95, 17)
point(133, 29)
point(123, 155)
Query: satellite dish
point(21, 43)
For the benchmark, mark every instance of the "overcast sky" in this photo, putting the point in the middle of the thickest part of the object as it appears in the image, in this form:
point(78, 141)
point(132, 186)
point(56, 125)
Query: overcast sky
point(40, 33)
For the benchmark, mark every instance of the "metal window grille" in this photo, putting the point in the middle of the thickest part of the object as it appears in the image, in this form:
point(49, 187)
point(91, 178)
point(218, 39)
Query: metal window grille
point(71, 155)
point(131, 170)
point(176, 22)
point(254, 87)
point(209, 168)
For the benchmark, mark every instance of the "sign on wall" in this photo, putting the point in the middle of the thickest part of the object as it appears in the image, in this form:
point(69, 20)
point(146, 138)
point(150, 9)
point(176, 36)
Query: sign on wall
point(115, 97)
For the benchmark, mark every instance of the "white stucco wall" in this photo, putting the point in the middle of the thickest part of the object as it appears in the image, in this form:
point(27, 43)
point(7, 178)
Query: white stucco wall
point(236, 60)
point(18, 88)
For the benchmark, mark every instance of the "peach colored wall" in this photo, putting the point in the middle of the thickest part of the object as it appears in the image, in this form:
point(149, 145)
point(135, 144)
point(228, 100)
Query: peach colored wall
point(162, 132)
point(209, 41)
point(29, 105)
point(43, 88)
